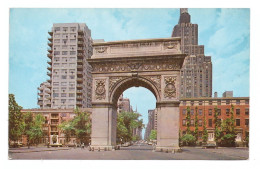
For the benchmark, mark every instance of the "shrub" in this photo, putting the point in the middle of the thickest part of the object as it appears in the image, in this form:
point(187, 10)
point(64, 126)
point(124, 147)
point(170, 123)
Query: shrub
point(188, 140)
point(228, 140)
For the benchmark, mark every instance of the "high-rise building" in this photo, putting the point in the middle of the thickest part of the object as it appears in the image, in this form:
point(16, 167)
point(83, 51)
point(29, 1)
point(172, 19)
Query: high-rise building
point(196, 74)
point(44, 99)
point(151, 123)
point(70, 83)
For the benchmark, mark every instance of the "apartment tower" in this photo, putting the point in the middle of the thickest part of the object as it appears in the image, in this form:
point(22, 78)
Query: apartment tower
point(70, 83)
point(196, 74)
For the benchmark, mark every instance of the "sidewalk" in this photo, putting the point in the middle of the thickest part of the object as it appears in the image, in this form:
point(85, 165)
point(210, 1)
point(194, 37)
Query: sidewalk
point(35, 149)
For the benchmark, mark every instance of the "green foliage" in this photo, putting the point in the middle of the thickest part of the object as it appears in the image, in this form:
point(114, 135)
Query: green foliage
point(196, 132)
point(217, 123)
point(153, 135)
point(228, 140)
point(68, 129)
point(126, 122)
point(33, 127)
point(228, 130)
point(188, 140)
point(205, 132)
point(15, 119)
point(81, 125)
point(188, 120)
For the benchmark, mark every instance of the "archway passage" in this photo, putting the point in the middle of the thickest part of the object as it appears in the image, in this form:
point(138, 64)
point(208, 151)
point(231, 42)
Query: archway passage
point(152, 63)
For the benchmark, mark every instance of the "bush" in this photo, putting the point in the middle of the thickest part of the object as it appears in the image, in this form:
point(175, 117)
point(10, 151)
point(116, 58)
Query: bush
point(188, 140)
point(228, 140)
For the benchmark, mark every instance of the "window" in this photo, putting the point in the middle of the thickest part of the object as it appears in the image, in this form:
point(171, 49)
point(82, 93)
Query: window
point(200, 112)
point(63, 94)
point(192, 103)
point(238, 102)
point(219, 112)
point(246, 122)
point(55, 94)
point(72, 77)
point(200, 122)
point(247, 111)
point(192, 122)
point(210, 112)
point(63, 77)
point(200, 102)
point(71, 94)
point(56, 52)
point(184, 122)
point(63, 83)
point(56, 41)
point(210, 102)
point(184, 103)
point(184, 112)
point(219, 102)
point(72, 52)
point(227, 102)
point(55, 83)
point(247, 101)
point(64, 52)
point(210, 122)
point(237, 111)
point(237, 122)
point(64, 46)
point(192, 112)
point(227, 112)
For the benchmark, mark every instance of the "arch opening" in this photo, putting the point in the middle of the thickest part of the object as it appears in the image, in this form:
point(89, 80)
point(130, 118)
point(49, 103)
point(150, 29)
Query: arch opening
point(133, 82)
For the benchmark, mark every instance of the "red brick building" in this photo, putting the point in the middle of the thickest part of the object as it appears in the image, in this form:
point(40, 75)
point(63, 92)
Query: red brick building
point(54, 117)
point(206, 107)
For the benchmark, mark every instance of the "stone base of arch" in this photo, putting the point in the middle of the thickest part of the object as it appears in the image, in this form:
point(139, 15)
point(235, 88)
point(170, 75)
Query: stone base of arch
point(104, 121)
point(168, 126)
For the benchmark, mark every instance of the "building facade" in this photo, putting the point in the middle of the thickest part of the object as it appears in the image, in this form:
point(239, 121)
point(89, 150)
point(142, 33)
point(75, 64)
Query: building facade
point(54, 117)
point(205, 107)
point(152, 123)
point(196, 73)
point(123, 105)
point(70, 83)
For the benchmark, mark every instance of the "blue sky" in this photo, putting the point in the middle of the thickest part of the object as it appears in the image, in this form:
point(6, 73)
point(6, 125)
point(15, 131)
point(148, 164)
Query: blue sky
point(224, 32)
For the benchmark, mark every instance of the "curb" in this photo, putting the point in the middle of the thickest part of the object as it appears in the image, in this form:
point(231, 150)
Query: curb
point(36, 150)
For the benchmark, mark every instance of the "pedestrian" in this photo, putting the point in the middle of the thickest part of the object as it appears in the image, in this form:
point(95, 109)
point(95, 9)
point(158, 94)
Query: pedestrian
point(75, 145)
point(82, 145)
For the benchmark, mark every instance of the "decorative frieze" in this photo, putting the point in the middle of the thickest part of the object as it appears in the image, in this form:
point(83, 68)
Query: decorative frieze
point(125, 66)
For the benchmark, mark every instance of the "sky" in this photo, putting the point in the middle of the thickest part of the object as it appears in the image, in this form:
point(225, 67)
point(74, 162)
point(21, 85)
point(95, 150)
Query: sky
point(225, 33)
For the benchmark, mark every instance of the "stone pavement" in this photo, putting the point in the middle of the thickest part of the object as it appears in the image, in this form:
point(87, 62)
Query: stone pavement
point(135, 152)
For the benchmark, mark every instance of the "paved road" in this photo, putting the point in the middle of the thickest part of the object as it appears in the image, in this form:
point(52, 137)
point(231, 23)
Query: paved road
point(134, 152)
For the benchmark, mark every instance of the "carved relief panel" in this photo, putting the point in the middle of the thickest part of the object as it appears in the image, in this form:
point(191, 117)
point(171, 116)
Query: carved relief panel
point(170, 86)
point(100, 89)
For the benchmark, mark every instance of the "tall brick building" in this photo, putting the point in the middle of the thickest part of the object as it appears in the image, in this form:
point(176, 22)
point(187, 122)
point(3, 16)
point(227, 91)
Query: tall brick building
point(196, 74)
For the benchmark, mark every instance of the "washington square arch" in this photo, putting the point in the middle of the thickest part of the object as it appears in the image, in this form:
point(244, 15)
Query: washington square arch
point(150, 63)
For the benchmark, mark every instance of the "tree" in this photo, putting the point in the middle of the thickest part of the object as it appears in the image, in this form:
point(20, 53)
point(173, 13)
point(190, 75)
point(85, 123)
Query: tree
point(205, 132)
point(196, 132)
point(153, 135)
point(68, 129)
point(28, 124)
point(82, 125)
point(15, 127)
point(217, 123)
point(126, 123)
point(228, 128)
point(37, 128)
point(188, 120)
point(188, 140)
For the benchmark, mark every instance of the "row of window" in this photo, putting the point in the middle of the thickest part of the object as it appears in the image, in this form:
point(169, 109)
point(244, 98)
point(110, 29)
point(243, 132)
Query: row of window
point(210, 122)
point(65, 29)
point(218, 102)
point(210, 112)
point(64, 41)
point(63, 94)
point(64, 53)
